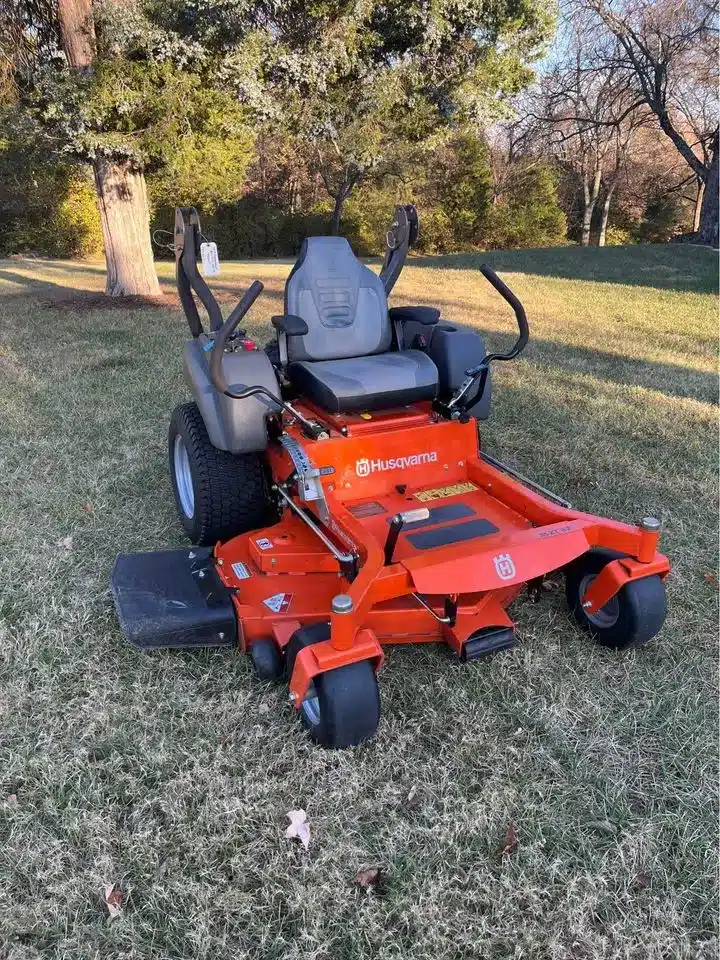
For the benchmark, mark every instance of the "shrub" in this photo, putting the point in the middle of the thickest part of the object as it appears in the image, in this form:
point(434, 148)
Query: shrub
point(529, 214)
point(618, 236)
point(48, 209)
point(663, 213)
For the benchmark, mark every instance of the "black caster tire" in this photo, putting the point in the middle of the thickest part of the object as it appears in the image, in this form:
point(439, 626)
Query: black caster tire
point(217, 494)
point(342, 706)
point(267, 660)
point(631, 618)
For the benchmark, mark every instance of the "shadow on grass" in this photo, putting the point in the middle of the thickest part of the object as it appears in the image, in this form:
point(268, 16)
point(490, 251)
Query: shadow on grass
point(665, 267)
point(36, 285)
point(89, 298)
point(672, 380)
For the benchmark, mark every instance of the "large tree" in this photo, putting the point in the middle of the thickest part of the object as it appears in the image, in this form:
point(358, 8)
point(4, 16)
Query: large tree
point(179, 87)
point(105, 84)
point(668, 51)
point(366, 89)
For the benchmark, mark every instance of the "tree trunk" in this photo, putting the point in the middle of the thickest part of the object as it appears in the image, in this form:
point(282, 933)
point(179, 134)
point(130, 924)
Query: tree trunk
point(588, 211)
point(590, 195)
point(709, 211)
point(605, 215)
point(698, 206)
point(125, 218)
point(121, 194)
point(77, 31)
point(340, 199)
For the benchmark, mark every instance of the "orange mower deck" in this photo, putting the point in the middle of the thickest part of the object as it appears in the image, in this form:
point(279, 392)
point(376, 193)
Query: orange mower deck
point(486, 538)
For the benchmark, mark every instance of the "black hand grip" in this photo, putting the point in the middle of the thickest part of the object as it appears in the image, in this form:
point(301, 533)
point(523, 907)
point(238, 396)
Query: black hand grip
point(506, 293)
point(216, 355)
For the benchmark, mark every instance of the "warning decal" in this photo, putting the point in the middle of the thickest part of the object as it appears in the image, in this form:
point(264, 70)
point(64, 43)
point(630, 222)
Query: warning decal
point(439, 493)
point(264, 543)
point(241, 571)
point(278, 602)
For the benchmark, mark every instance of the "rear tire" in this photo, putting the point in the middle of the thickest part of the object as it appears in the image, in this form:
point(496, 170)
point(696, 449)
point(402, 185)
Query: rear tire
point(629, 619)
point(217, 494)
point(342, 706)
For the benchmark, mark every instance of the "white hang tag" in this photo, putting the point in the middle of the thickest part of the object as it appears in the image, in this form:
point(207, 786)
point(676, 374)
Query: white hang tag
point(210, 260)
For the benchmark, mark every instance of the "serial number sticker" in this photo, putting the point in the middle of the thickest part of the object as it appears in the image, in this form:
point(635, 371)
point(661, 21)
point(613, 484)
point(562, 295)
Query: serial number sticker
point(264, 543)
point(241, 571)
point(439, 493)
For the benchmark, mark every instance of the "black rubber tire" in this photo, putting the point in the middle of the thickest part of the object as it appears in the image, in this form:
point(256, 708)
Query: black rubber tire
point(641, 604)
point(231, 492)
point(267, 660)
point(348, 698)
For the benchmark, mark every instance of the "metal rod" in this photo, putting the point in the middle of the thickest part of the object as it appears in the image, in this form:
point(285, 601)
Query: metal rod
point(430, 609)
point(338, 554)
point(528, 483)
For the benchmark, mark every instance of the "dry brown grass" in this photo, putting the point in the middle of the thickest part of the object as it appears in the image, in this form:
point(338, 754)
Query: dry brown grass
point(171, 773)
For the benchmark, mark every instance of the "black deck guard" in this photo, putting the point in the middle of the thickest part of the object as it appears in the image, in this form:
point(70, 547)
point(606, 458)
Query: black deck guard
point(172, 598)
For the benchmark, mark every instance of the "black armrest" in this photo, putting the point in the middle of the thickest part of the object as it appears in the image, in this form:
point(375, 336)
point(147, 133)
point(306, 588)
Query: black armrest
point(290, 325)
point(428, 316)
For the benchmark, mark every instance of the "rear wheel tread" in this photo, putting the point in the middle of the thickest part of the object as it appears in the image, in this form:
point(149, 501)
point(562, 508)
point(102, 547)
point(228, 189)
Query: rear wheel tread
point(231, 490)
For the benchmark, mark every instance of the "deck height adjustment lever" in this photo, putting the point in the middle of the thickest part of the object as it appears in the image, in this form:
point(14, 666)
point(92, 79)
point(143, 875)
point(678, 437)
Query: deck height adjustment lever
point(396, 525)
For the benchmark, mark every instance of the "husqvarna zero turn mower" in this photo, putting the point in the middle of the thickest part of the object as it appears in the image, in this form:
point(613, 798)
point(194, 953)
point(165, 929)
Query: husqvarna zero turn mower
point(339, 499)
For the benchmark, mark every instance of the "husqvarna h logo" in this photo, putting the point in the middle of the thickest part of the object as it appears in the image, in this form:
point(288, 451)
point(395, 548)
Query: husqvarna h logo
point(364, 467)
point(504, 566)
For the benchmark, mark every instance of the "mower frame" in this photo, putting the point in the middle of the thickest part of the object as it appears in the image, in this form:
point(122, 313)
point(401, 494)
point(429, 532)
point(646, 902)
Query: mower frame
point(393, 527)
point(407, 600)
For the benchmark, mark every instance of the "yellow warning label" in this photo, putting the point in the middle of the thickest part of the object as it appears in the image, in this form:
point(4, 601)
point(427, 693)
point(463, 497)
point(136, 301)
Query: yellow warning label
point(439, 493)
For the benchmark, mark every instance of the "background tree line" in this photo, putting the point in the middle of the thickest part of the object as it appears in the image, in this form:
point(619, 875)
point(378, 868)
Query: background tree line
point(279, 119)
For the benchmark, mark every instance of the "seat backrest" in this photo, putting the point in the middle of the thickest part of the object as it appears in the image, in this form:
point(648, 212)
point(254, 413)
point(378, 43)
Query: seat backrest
point(342, 301)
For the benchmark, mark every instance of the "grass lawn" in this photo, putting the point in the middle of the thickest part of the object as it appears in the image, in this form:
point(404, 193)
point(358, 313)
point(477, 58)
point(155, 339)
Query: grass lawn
point(171, 773)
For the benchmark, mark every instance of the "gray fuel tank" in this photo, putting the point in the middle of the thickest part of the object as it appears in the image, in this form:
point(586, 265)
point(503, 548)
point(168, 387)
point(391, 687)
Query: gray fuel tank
point(238, 426)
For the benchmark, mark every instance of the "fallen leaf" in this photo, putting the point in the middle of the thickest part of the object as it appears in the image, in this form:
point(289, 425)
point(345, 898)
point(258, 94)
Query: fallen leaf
point(12, 800)
point(114, 897)
point(264, 708)
point(641, 881)
point(66, 543)
point(88, 507)
point(511, 841)
point(370, 878)
point(299, 827)
point(549, 585)
point(711, 578)
point(413, 799)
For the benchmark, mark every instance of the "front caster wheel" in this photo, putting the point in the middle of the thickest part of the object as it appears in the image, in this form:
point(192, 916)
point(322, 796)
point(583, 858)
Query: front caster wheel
point(267, 660)
point(629, 619)
point(342, 706)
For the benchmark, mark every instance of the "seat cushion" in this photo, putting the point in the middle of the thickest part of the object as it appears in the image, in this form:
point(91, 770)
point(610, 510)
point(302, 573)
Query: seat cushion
point(366, 383)
point(343, 302)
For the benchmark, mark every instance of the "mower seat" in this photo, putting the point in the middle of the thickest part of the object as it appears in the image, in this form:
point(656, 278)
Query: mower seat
point(346, 361)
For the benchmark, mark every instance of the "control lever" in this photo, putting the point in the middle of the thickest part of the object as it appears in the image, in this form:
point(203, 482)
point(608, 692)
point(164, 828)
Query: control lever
point(479, 373)
point(309, 427)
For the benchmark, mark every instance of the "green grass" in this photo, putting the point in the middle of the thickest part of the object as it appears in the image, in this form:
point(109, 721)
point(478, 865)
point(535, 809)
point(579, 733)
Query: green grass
point(172, 773)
